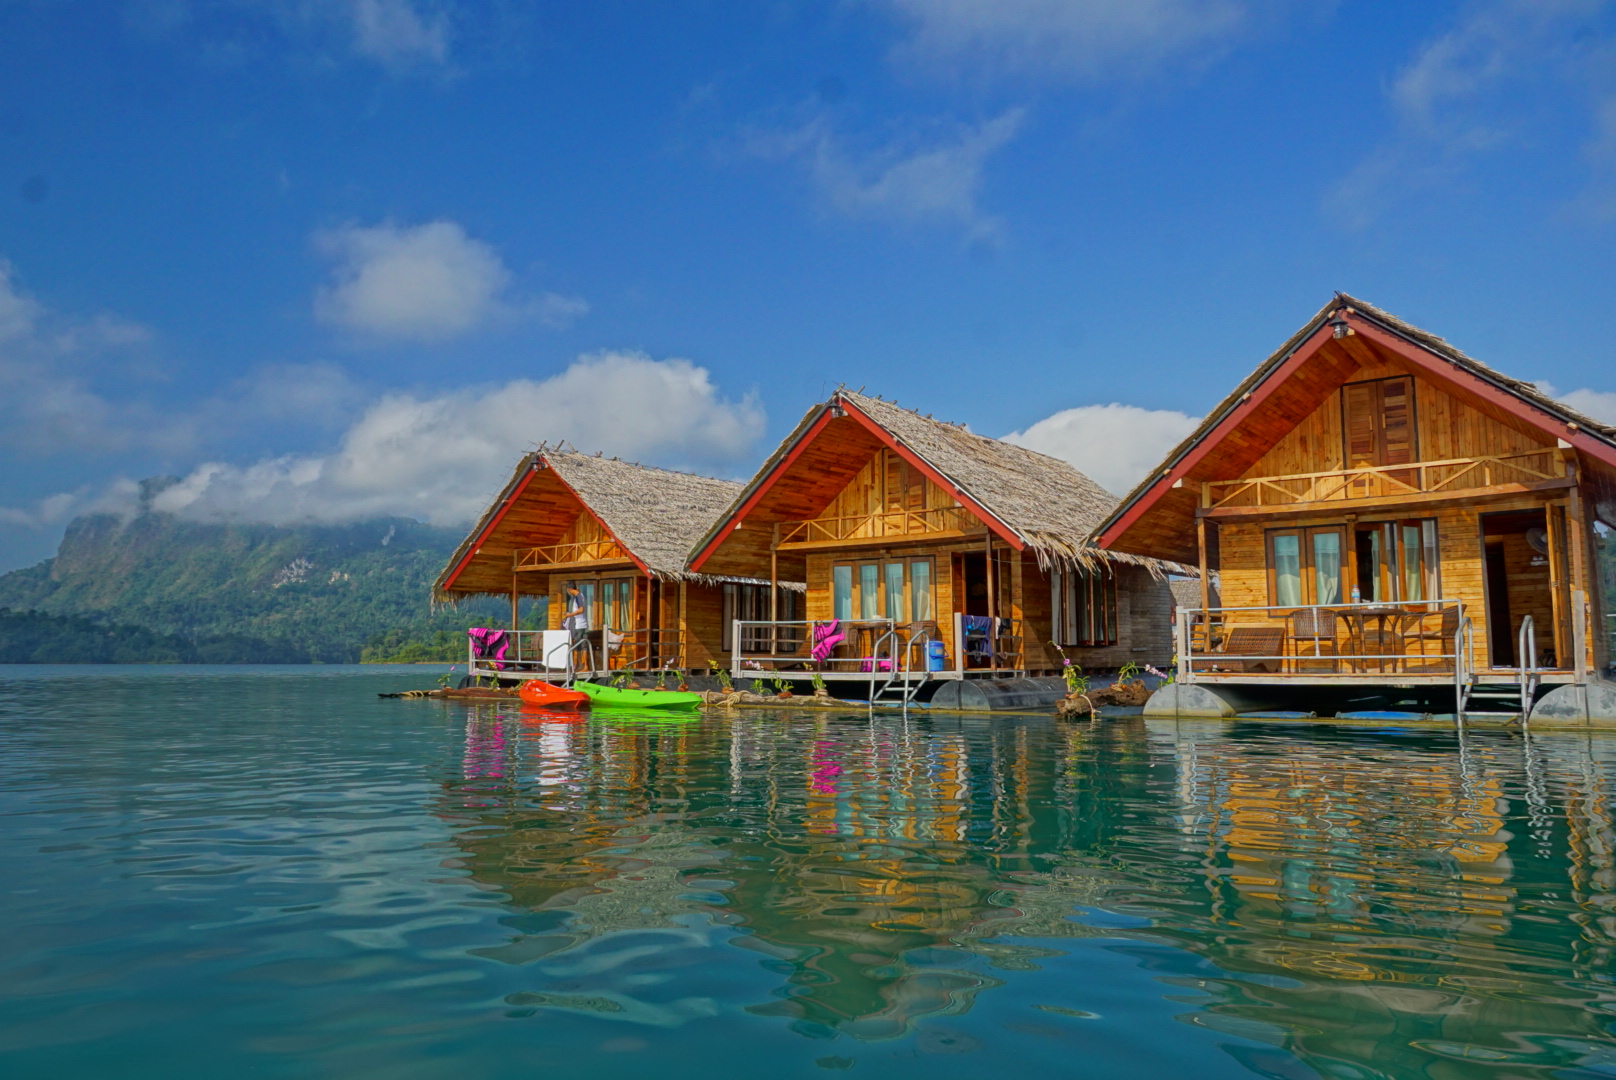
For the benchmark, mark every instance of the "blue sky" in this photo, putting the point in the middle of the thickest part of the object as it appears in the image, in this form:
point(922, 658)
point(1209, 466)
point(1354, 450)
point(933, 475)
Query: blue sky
point(325, 260)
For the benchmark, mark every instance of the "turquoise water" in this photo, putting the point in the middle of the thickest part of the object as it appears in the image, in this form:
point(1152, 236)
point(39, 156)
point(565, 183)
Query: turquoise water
point(271, 872)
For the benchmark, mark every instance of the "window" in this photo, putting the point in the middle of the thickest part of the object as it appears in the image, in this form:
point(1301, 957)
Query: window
point(750, 603)
point(1399, 561)
point(1085, 606)
point(841, 592)
point(869, 591)
point(617, 603)
point(899, 591)
point(587, 592)
point(920, 591)
point(1378, 422)
point(1305, 566)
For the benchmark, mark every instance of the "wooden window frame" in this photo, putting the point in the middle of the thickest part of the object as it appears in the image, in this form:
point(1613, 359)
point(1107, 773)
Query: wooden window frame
point(1307, 568)
point(1075, 624)
point(1391, 569)
point(906, 604)
point(1380, 421)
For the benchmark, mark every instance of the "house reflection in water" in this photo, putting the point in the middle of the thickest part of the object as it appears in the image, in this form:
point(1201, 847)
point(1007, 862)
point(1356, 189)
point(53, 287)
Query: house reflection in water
point(1356, 897)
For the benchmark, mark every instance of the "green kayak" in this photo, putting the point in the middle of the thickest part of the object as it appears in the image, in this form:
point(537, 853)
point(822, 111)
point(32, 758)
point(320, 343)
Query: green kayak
point(614, 697)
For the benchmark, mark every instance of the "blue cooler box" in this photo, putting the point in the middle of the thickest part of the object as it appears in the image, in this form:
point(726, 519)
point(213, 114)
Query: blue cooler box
point(936, 656)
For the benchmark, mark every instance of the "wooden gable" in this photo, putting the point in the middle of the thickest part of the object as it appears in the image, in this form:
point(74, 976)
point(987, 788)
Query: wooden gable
point(541, 510)
point(1293, 421)
point(843, 466)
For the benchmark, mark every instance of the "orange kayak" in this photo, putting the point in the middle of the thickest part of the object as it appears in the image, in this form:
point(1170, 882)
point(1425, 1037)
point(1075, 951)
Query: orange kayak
point(548, 696)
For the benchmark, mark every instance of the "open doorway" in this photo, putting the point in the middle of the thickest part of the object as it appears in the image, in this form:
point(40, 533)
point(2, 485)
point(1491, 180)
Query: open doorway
point(974, 574)
point(1518, 584)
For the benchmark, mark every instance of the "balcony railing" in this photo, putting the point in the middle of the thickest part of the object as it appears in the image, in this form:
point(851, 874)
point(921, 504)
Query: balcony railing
point(882, 524)
point(1385, 481)
point(560, 656)
point(1367, 640)
point(581, 551)
point(858, 645)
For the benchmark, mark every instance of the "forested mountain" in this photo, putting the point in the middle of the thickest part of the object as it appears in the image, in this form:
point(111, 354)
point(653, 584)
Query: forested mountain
point(170, 589)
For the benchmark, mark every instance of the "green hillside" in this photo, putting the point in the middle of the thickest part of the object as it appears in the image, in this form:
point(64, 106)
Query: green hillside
point(243, 593)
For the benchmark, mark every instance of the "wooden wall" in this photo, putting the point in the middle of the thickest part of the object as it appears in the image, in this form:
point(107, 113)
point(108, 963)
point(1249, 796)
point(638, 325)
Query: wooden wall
point(1144, 622)
point(885, 483)
point(704, 625)
point(1243, 562)
point(1447, 428)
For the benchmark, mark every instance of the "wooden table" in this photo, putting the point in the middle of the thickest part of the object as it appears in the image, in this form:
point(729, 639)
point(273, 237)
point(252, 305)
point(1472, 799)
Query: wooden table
point(1358, 617)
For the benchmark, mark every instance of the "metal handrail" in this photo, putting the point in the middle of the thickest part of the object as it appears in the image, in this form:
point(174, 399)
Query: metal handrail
point(876, 659)
point(1526, 658)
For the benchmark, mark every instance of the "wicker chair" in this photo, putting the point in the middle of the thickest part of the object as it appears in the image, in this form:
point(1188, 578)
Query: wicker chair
point(1314, 633)
point(1432, 637)
point(1256, 643)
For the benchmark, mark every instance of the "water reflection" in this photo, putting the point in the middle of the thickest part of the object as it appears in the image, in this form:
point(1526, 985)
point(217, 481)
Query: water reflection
point(1375, 904)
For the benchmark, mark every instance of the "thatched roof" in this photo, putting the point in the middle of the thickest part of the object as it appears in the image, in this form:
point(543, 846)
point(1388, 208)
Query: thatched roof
point(1043, 501)
point(655, 514)
point(1392, 324)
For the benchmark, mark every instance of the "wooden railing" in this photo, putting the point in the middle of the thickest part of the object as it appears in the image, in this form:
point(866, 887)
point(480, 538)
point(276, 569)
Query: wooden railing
point(565, 554)
point(1383, 481)
point(880, 524)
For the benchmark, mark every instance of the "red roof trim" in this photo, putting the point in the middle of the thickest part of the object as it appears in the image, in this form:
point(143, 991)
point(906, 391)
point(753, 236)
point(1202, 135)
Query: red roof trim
point(448, 586)
point(1237, 416)
point(477, 544)
point(1447, 370)
point(739, 514)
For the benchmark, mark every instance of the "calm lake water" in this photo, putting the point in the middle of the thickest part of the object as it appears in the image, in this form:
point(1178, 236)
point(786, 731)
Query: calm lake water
point(247, 872)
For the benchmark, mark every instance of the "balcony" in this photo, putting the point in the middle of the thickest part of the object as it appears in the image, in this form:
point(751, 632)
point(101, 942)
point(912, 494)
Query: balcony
point(570, 556)
point(1417, 482)
point(887, 525)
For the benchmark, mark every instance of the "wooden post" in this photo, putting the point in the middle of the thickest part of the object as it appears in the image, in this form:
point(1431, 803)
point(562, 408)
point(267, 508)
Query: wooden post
point(516, 623)
point(1018, 601)
point(1349, 560)
point(684, 625)
point(1554, 521)
point(1206, 576)
point(1577, 537)
point(774, 591)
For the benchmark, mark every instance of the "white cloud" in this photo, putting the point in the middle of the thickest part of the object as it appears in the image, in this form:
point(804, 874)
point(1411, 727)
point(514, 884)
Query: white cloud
point(911, 180)
point(423, 282)
point(1071, 39)
point(49, 407)
point(47, 512)
point(559, 312)
point(397, 33)
point(1114, 445)
point(1488, 82)
point(1597, 404)
point(439, 459)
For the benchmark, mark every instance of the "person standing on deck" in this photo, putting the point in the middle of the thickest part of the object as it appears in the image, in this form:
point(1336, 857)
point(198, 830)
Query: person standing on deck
point(576, 619)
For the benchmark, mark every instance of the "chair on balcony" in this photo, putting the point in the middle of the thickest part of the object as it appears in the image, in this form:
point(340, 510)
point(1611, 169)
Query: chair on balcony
point(1432, 637)
point(1314, 633)
point(1254, 645)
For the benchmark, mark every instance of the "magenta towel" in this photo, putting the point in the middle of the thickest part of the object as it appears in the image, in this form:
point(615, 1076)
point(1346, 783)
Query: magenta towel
point(826, 637)
point(489, 645)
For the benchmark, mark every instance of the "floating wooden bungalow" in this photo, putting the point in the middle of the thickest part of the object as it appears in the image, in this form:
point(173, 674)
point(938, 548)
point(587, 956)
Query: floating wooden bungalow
point(930, 554)
point(619, 533)
point(1394, 525)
